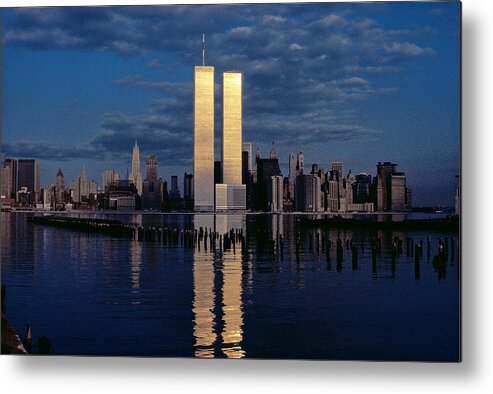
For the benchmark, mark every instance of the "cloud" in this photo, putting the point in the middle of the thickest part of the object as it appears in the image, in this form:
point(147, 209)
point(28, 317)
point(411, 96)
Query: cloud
point(137, 81)
point(406, 49)
point(297, 61)
point(155, 63)
point(50, 151)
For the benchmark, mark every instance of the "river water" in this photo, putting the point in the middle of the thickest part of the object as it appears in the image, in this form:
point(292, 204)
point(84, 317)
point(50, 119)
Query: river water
point(93, 294)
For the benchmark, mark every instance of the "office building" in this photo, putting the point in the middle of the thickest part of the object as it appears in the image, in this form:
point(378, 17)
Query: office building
point(361, 192)
point(232, 128)
point(266, 168)
point(247, 177)
point(308, 193)
point(121, 195)
point(231, 145)
point(188, 186)
point(245, 172)
point(398, 192)
point(5, 183)
point(6, 175)
point(382, 186)
point(247, 147)
point(203, 142)
point(29, 176)
point(333, 192)
point(300, 163)
point(390, 191)
point(292, 174)
point(83, 188)
point(59, 188)
point(109, 177)
point(8, 179)
point(136, 176)
point(48, 197)
point(152, 197)
point(230, 197)
point(275, 194)
point(151, 169)
point(174, 193)
point(337, 166)
point(255, 167)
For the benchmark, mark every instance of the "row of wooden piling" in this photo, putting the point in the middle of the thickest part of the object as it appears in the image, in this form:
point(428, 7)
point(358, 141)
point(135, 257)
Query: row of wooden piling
point(206, 239)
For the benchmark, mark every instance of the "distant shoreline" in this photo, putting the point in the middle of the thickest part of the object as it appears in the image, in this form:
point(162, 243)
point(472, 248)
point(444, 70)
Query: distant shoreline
point(451, 223)
point(346, 215)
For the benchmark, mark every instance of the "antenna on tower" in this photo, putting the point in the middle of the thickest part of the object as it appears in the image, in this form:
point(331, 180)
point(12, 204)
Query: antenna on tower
point(203, 49)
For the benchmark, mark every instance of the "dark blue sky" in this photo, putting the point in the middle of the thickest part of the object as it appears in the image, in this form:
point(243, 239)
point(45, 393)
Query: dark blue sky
point(357, 82)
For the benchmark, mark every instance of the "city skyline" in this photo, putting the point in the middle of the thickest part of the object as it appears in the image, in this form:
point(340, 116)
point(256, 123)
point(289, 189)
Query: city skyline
point(400, 103)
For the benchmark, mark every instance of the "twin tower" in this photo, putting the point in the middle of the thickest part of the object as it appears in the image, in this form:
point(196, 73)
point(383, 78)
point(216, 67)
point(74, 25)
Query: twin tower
point(231, 194)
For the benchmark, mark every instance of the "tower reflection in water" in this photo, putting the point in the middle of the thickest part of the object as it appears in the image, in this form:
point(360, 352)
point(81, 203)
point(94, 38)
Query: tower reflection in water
point(217, 274)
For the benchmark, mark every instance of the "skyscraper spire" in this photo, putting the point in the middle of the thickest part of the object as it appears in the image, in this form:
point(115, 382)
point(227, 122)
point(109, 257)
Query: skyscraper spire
point(203, 49)
point(136, 176)
point(273, 153)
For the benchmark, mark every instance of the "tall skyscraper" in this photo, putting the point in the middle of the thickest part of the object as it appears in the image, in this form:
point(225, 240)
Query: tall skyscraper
point(333, 192)
point(362, 188)
point(266, 168)
point(136, 176)
point(231, 193)
point(275, 194)
point(232, 128)
point(247, 176)
point(188, 186)
point(308, 193)
point(174, 193)
point(392, 194)
point(383, 185)
point(247, 147)
point(337, 166)
point(152, 197)
point(82, 187)
point(29, 176)
point(10, 171)
point(59, 187)
point(151, 169)
point(255, 169)
point(398, 196)
point(300, 163)
point(109, 177)
point(203, 141)
point(273, 152)
point(292, 166)
point(5, 183)
point(292, 173)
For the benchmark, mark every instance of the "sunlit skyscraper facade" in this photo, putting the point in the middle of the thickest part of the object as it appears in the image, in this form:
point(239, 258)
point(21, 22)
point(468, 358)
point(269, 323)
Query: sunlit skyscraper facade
point(232, 128)
point(203, 141)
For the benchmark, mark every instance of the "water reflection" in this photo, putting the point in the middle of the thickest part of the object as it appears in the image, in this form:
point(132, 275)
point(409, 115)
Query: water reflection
point(204, 329)
point(135, 262)
point(218, 274)
point(232, 306)
point(225, 286)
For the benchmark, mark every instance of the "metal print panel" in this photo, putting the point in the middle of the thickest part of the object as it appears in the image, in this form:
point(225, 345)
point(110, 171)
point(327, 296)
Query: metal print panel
point(301, 191)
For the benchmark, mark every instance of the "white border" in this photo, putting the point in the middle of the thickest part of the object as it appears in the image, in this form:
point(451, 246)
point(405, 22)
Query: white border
point(133, 375)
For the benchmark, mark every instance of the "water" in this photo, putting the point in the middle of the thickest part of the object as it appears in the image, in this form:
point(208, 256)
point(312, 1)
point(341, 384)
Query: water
point(93, 294)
